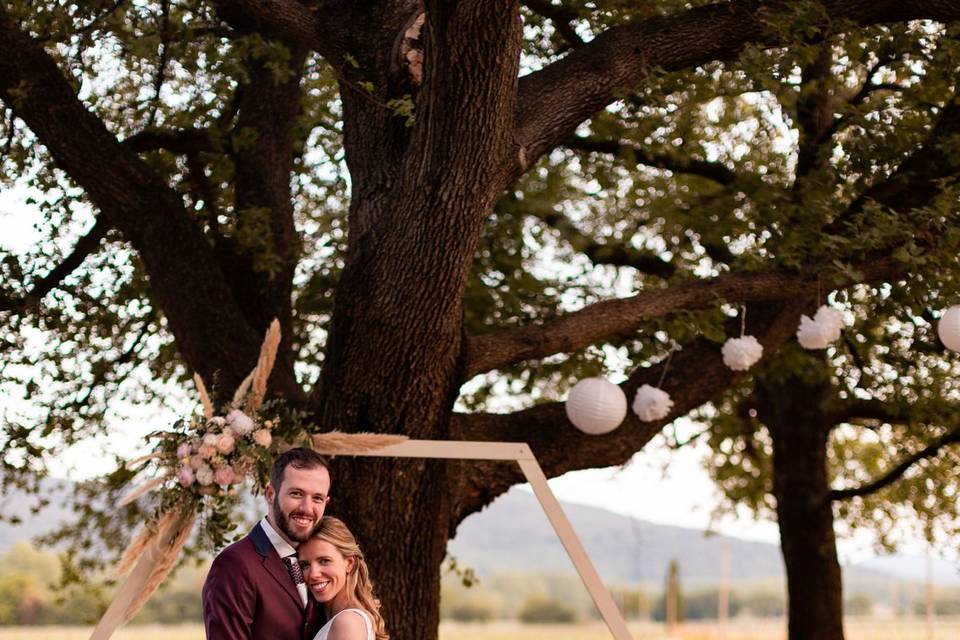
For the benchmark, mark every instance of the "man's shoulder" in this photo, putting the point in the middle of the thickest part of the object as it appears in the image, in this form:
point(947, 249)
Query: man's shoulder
point(243, 550)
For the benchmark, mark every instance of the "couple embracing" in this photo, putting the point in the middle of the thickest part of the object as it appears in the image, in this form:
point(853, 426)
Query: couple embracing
point(297, 575)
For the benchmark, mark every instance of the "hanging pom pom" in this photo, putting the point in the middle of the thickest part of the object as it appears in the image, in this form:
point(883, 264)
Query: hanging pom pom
point(652, 404)
point(596, 406)
point(823, 329)
point(949, 328)
point(741, 353)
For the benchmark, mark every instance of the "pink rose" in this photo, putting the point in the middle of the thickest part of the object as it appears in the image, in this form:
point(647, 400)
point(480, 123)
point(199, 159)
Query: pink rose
point(207, 451)
point(225, 443)
point(262, 437)
point(184, 450)
point(185, 475)
point(195, 462)
point(224, 475)
point(240, 423)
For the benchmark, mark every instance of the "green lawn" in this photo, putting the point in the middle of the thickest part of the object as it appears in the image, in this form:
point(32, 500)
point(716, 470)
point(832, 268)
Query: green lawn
point(857, 629)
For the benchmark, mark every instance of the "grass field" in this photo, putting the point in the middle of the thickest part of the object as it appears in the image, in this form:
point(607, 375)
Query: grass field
point(857, 629)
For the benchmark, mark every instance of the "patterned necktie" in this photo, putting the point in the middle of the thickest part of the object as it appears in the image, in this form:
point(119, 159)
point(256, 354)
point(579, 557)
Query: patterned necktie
point(293, 566)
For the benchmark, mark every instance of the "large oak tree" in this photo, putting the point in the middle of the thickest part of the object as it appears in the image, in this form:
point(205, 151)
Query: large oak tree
point(399, 183)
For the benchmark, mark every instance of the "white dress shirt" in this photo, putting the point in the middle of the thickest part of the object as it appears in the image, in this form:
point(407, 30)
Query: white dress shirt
point(283, 550)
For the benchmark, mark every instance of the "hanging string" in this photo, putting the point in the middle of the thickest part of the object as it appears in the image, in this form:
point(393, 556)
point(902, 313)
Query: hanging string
point(666, 365)
point(743, 320)
point(819, 296)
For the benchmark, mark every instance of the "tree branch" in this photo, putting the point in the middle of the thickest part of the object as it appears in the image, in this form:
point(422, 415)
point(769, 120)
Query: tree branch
point(897, 472)
point(696, 375)
point(322, 26)
point(181, 142)
point(558, 98)
point(711, 170)
point(562, 18)
point(609, 253)
point(573, 331)
point(186, 282)
point(814, 112)
point(85, 246)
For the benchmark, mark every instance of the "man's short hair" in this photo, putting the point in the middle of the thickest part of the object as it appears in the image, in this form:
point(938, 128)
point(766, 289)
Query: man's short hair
point(298, 458)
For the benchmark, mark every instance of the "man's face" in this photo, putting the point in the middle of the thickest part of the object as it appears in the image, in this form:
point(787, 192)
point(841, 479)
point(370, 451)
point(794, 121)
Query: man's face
point(296, 506)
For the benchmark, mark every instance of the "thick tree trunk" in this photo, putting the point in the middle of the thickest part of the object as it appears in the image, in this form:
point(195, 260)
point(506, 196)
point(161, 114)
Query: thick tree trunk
point(792, 411)
point(395, 356)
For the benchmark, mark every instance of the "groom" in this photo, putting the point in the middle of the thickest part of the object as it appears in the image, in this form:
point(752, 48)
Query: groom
point(255, 589)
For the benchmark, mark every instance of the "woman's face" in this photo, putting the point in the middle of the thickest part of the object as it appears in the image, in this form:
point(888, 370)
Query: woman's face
point(325, 570)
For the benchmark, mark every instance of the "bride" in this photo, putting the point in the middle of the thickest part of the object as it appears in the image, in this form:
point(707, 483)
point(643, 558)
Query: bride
point(337, 576)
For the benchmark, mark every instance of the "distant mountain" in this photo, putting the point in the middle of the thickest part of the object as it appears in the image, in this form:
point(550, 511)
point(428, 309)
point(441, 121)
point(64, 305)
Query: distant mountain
point(19, 504)
point(907, 567)
point(513, 535)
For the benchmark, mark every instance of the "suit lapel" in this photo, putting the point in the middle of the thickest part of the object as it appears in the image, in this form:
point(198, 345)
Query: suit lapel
point(273, 564)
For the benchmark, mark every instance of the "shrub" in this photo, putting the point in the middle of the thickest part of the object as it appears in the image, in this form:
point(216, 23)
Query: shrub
point(538, 609)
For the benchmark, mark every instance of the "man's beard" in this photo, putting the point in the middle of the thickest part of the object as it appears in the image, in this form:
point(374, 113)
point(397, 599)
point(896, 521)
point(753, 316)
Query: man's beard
point(284, 524)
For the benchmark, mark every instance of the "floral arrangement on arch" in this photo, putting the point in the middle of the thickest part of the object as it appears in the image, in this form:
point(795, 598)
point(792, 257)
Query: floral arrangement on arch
point(210, 455)
point(197, 467)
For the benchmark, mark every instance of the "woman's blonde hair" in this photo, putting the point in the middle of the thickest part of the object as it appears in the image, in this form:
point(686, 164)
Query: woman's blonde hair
point(334, 531)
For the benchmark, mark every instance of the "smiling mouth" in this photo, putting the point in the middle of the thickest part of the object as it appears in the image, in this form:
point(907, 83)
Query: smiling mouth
point(319, 587)
point(301, 521)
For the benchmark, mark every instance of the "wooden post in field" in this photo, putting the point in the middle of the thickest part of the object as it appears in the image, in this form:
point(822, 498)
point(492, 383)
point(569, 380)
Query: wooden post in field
point(929, 596)
point(723, 601)
point(895, 597)
point(672, 598)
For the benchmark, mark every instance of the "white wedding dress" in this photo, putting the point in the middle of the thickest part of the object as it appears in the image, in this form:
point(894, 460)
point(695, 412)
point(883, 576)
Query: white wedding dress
point(322, 634)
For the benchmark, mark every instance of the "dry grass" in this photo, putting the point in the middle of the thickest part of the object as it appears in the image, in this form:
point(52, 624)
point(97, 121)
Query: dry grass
point(857, 629)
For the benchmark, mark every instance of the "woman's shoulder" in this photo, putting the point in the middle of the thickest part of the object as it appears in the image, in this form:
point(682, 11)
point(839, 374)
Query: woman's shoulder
point(350, 624)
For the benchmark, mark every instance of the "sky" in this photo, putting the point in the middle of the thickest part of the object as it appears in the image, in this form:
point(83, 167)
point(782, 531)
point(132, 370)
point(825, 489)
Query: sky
point(658, 485)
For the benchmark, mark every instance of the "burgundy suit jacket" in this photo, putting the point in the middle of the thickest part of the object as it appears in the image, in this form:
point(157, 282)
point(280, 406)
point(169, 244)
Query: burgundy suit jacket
point(249, 595)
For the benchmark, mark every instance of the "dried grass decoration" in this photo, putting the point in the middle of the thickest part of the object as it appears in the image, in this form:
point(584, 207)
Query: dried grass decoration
point(202, 465)
point(204, 461)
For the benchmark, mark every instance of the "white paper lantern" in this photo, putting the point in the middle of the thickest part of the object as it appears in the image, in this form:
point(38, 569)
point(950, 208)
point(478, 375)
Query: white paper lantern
point(741, 353)
point(652, 404)
point(596, 406)
point(949, 328)
point(823, 329)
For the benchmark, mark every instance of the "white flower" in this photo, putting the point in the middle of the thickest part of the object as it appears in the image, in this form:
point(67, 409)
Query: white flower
point(205, 475)
point(651, 404)
point(741, 353)
point(822, 330)
point(262, 437)
point(210, 439)
point(240, 423)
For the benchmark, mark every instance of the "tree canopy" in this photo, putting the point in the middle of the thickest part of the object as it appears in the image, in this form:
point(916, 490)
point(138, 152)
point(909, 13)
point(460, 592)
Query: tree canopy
point(456, 210)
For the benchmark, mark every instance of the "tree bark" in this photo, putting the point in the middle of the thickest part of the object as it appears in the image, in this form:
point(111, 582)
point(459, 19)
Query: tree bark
point(792, 410)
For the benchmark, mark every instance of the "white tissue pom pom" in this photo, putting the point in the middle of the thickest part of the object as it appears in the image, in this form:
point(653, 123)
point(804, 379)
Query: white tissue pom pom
point(830, 317)
point(741, 353)
point(822, 330)
point(949, 328)
point(596, 406)
point(651, 404)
